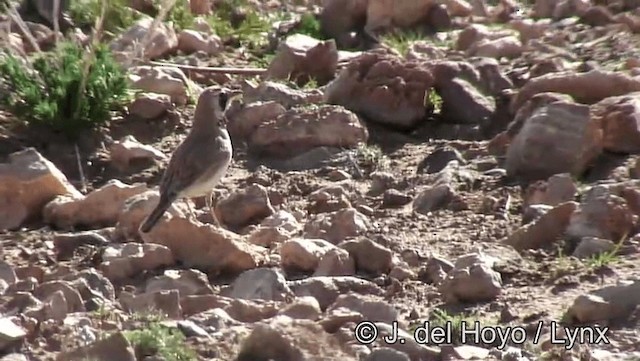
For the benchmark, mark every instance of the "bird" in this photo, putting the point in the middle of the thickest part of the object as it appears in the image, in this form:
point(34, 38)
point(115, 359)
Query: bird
point(201, 160)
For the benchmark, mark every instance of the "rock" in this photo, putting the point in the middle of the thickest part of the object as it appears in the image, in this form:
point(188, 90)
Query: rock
point(99, 208)
point(578, 86)
point(337, 226)
point(261, 283)
point(471, 280)
point(327, 289)
point(393, 198)
point(456, 8)
point(150, 105)
point(187, 282)
point(416, 351)
point(403, 14)
point(162, 80)
point(559, 188)
point(280, 93)
point(14, 357)
point(205, 247)
point(268, 237)
point(73, 300)
point(534, 212)
point(200, 7)
point(136, 209)
point(304, 128)
point(383, 88)
point(247, 206)
point(252, 310)
point(369, 256)
point(95, 284)
point(328, 199)
point(464, 103)
point(602, 214)
point(166, 302)
point(388, 354)
point(559, 137)
point(192, 305)
point(129, 149)
point(303, 254)
point(306, 308)
point(530, 29)
point(433, 198)
point(123, 261)
point(7, 273)
point(66, 243)
point(605, 304)
point(283, 220)
point(619, 119)
point(10, 333)
point(373, 309)
point(243, 122)
point(339, 19)
point(113, 347)
point(163, 41)
point(544, 231)
point(191, 41)
point(302, 58)
point(437, 160)
point(591, 247)
point(190, 329)
point(507, 47)
point(336, 262)
point(27, 183)
point(55, 307)
point(285, 338)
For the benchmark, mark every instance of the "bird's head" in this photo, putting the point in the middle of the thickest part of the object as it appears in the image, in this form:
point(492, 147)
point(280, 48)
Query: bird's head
point(214, 101)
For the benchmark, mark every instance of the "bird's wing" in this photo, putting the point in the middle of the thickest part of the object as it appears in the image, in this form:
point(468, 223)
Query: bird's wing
point(188, 164)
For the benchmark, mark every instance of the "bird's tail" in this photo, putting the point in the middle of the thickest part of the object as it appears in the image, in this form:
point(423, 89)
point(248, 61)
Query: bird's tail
point(156, 214)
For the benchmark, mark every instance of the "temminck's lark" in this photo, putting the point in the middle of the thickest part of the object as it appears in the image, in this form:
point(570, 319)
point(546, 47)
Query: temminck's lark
point(202, 159)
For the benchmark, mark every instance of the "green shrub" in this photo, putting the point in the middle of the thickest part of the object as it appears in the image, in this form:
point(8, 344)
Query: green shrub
point(156, 339)
point(309, 25)
point(52, 95)
point(180, 14)
point(119, 15)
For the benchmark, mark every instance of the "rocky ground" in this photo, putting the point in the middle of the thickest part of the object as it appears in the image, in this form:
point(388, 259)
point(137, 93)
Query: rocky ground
point(449, 162)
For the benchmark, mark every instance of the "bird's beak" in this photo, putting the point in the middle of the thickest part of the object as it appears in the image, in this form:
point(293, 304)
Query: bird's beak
point(234, 95)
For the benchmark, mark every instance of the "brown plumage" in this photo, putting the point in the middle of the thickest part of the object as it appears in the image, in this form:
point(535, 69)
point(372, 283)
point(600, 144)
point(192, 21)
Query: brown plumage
point(201, 160)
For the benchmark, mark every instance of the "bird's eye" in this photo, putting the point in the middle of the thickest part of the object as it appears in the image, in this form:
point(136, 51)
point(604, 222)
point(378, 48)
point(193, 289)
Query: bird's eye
point(223, 99)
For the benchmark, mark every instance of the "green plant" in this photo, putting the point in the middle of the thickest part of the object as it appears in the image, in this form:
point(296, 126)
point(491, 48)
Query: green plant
point(371, 156)
point(249, 32)
point(156, 339)
point(605, 258)
point(180, 14)
point(401, 41)
point(119, 15)
point(51, 94)
point(309, 25)
point(432, 98)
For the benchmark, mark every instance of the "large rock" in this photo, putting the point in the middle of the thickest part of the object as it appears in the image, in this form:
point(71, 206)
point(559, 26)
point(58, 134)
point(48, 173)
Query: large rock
point(620, 120)
point(383, 88)
point(99, 208)
point(162, 80)
point(27, 183)
point(163, 41)
point(559, 137)
point(302, 129)
point(602, 214)
point(543, 231)
point(302, 58)
point(191, 41)
point(247, 206)
point(205, 247)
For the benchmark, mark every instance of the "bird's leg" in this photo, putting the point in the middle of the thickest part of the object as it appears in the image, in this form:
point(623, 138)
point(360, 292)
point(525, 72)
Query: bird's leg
point(213, 213)
point(192, 213)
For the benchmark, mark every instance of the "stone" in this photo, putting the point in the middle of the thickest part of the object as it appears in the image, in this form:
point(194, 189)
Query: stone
point(100, 208)
point(383, 88)
point(557, 138)
point(247, 206)
point(302, 58)
point(27, 183)
point(129, 149)
point(303, 128)
point(471, 280)
point(303, 254)
point(261, 283)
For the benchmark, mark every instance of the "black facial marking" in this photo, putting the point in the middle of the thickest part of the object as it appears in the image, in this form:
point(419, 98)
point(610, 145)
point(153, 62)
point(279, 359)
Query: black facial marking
point(223, 98)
